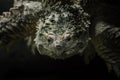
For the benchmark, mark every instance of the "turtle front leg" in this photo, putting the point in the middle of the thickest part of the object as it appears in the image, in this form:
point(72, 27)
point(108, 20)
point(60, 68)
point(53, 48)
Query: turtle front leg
point(19, 22)
point(107, 45)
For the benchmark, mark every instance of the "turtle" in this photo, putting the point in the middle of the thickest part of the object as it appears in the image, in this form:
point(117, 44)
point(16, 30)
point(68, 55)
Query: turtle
point(63, 28)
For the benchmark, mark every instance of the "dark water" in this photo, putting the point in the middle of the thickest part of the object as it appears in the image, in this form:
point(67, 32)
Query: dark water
point(20, 64)
point(5, 5)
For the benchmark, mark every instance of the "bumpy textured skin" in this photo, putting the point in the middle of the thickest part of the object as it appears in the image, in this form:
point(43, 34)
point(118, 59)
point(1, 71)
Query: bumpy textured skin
point(27, 19)
point(107, 45)
point(62, 30)
point(19, 22)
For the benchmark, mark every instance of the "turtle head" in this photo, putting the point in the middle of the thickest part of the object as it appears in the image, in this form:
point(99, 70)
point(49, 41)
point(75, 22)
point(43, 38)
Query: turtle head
point(62, 31)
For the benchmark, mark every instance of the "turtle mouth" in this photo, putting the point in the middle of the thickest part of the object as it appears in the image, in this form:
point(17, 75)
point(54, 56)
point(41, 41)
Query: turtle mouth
point(63, 54)
point(66, 53)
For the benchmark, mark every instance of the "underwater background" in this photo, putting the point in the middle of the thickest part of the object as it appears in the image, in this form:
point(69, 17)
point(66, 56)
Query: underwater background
point(21, 64)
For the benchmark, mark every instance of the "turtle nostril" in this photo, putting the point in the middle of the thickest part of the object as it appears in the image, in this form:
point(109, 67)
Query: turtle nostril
point(58, 46)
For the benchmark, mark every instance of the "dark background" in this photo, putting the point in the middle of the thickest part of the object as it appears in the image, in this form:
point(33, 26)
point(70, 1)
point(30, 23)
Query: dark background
point(20, 63)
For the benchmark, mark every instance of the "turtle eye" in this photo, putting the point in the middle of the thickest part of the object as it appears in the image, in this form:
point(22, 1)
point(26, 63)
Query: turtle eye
point(51, 37)
point(50, 40)
point(68, 39)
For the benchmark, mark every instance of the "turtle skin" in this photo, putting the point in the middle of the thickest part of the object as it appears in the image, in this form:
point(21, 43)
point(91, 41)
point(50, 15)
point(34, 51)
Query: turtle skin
point(26, 17)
